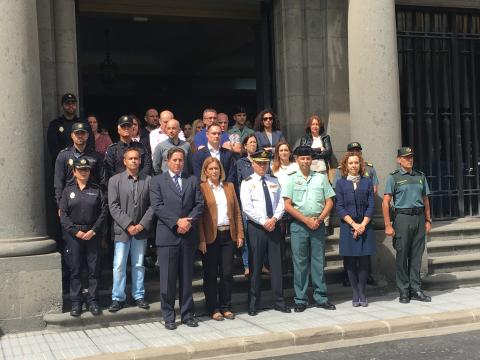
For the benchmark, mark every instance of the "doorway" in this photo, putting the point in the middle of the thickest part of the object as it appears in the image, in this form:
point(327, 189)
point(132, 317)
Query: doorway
point(176, 55)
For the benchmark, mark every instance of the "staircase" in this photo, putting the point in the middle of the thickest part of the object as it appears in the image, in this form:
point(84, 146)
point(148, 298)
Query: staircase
point(453, 250)
point(333, 271)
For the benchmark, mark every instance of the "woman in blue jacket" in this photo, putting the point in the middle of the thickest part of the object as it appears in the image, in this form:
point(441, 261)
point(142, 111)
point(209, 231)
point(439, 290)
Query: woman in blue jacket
point(355, 207)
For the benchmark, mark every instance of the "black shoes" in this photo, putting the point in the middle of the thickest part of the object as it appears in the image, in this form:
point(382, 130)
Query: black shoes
point(115, 306)
point(253, 312)
point(76, 310)
point(419, 295)
point(190, 322)
point(404, 297)
point(282, 308)
point(95, 309)
point(170, 325)
point(142, 304)
point(327, 306)
point(299, 308)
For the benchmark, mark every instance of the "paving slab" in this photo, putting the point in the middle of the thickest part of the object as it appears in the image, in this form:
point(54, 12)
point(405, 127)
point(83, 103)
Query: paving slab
point(269, 329)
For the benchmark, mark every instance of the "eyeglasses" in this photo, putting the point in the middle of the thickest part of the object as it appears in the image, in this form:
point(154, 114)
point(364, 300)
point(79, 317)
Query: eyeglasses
point(268, 118)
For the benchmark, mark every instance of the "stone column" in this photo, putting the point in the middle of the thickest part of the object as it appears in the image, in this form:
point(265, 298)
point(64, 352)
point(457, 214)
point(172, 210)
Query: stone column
point(299, 35)
point(65, 48)
point(30, 285)
point(374, 84)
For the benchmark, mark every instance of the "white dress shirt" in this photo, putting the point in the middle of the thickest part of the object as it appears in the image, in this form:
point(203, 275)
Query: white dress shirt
point(172, 175)
point(221, 201)
point(253, 198)
point(213, 152)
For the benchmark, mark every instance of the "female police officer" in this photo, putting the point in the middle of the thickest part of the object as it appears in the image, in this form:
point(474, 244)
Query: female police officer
point(82, 212)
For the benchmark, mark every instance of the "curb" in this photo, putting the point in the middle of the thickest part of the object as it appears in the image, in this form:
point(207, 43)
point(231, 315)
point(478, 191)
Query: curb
point(275, 340)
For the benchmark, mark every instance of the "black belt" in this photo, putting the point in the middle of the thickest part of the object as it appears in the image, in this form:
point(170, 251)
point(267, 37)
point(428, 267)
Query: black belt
point(411, 211)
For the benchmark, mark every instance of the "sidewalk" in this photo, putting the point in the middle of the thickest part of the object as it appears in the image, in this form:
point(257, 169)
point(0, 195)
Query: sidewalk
point(269, 329)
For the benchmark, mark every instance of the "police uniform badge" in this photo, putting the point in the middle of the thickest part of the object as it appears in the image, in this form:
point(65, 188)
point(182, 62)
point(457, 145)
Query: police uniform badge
point(70, 162)
point(83, 162)
point(72, 195)
point(61, 129)
point(265, 154)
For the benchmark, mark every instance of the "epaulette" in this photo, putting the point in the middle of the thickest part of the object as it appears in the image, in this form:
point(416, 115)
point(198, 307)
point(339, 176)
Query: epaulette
point(112, 145)
point(65, 149)
point(248, 178)
point(293, 172)
point(272, 176)
point(369, 164)
point(419, 172)
point(394, 172)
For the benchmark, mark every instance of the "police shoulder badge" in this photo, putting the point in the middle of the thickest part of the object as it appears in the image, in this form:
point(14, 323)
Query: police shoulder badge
point(61, 129)
point(72, 195)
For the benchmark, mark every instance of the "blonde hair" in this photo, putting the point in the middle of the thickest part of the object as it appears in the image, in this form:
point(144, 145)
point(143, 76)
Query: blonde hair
point(208, 161)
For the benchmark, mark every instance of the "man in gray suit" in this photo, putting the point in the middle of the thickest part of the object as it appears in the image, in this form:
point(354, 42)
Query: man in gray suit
point(178, 204)
point(129, 203)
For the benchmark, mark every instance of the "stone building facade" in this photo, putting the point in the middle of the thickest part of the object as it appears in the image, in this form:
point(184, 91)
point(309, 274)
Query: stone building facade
point(337, 58)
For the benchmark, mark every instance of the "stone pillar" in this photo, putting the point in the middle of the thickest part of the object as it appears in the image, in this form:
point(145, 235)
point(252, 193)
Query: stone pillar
point(65, 48)
point(30, 285)
point(374, 84)
point(299, 35)
point(375, 102)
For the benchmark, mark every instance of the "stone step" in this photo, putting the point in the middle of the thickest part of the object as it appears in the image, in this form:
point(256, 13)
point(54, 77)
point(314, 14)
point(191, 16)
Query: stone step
point(132, 314)
point(452, 247)
point(457, 230)
point(456, 279)
point(453, 263)
point(333, 273)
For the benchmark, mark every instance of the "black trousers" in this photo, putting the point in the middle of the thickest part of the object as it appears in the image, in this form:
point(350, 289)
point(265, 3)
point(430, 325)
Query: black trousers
point(217, 262)
point(78, 254)
point(176, 262)
point(262, 243)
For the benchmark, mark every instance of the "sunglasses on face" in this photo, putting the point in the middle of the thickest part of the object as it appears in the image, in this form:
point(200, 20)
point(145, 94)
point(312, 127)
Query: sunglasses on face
point(267, 118)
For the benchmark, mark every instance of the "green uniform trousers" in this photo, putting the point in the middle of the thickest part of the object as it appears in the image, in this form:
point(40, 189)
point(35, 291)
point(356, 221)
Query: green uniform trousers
point(308, 254)
point(409, 242)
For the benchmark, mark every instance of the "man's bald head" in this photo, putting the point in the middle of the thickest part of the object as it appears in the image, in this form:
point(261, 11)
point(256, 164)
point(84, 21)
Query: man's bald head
point(165, 116)
point(172, 129)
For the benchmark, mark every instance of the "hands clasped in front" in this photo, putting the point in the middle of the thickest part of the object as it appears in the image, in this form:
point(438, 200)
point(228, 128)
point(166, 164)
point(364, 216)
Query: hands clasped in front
point(85, 235)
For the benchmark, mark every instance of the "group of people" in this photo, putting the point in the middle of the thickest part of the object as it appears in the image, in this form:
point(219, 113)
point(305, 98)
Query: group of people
point(214, 189)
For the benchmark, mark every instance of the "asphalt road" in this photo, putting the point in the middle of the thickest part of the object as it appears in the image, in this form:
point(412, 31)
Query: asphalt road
point(464, 346)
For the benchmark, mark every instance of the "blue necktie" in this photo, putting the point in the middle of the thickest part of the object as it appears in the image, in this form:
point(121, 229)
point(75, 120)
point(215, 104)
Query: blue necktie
point(177, 183)
point(268, 199)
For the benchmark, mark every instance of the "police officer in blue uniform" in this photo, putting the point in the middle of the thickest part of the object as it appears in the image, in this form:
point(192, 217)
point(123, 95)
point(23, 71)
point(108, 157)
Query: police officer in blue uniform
point(408, 189)
point(83, 210)
point(58, 133)
point(262, 203)
point(114, 155)
point(64, 162)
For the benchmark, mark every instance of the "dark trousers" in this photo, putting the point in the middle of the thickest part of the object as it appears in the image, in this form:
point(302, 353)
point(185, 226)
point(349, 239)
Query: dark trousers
point(77, 253)
point(357, 271)
point(217, 262)
point(263, 243)
point(409, 242)
point(176, 262)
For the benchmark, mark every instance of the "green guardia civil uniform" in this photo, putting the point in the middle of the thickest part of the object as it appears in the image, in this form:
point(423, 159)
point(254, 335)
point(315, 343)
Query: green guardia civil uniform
point(308, 246)
point(408, 190)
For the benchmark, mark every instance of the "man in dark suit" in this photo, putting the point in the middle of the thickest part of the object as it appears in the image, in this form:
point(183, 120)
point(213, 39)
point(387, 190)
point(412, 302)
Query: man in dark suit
point(214, 149)
point(129, 203)
point(178, 204)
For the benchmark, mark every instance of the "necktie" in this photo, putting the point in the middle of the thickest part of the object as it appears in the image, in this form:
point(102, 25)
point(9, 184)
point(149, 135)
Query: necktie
point(177, 183)
point(268, 200)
